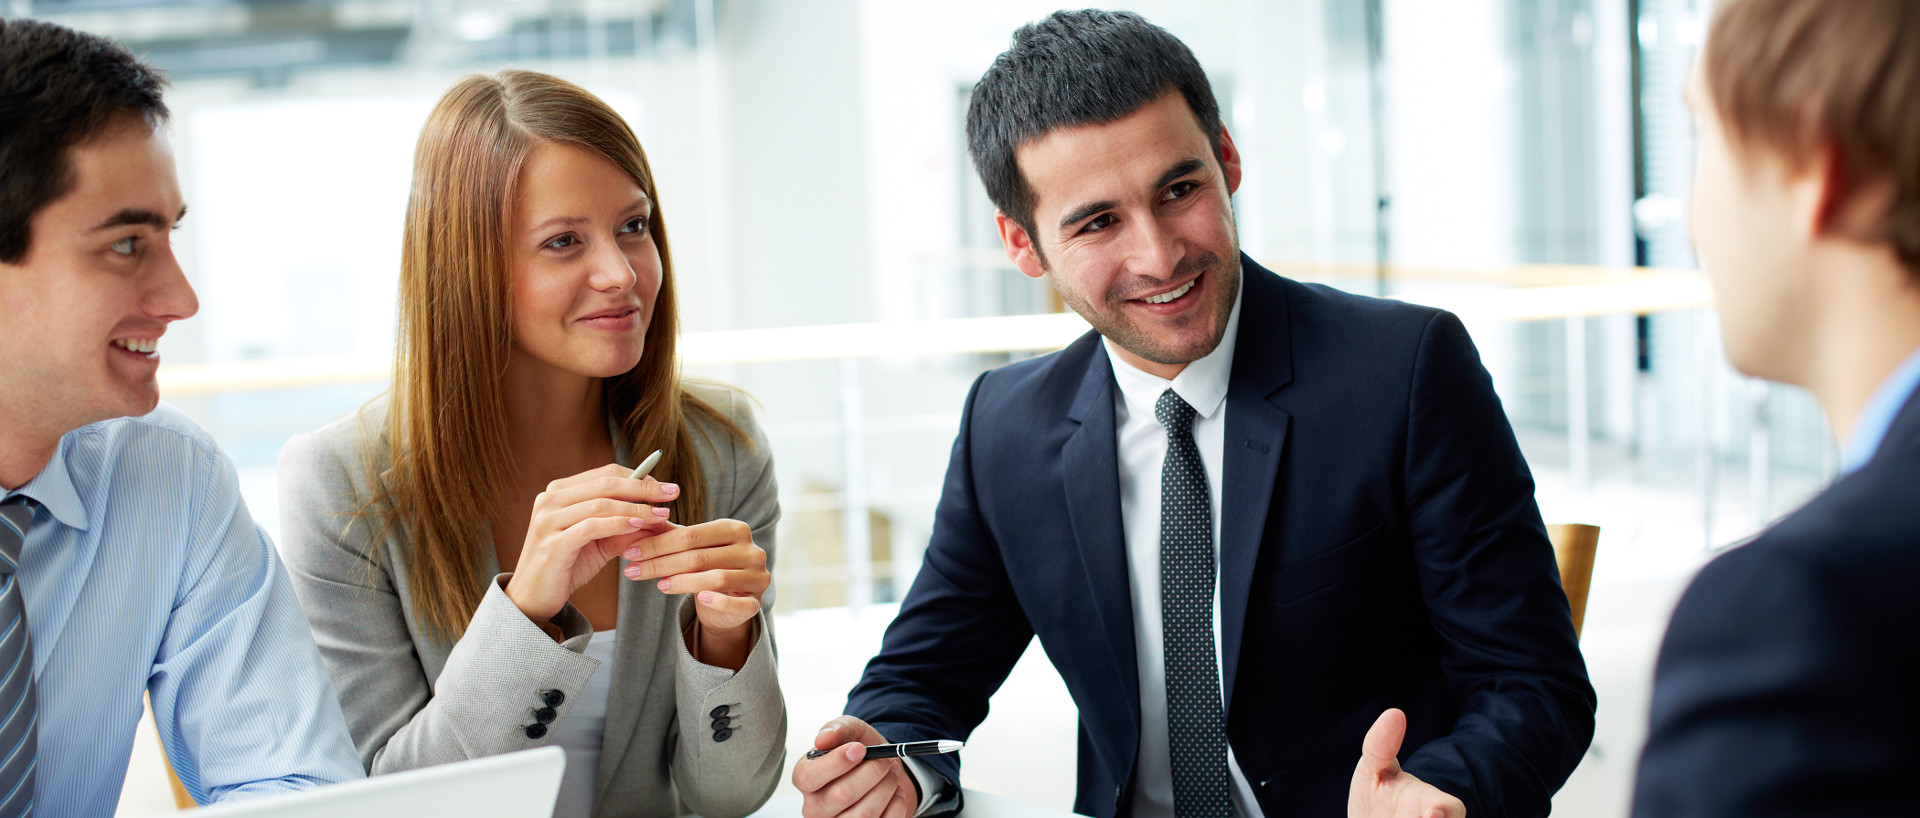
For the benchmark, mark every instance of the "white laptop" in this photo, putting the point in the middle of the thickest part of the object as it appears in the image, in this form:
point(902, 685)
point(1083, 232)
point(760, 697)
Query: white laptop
point(514, 785)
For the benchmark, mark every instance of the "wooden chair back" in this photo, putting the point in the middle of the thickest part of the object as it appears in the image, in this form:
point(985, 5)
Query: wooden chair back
point(1573, 547)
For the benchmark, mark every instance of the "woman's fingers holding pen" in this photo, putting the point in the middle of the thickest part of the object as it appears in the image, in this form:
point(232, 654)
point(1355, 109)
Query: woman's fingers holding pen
point(576, 527)
point(599, 508)
point(609, 481)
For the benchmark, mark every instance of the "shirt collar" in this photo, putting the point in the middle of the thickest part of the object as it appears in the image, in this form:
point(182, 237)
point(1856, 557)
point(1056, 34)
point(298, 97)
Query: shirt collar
point(53, 488)
point(1878, 415)
point(1202, 384)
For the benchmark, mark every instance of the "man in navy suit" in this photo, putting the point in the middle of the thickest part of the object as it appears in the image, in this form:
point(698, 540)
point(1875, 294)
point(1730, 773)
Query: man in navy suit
point(1247, 518)
point(1786, 685)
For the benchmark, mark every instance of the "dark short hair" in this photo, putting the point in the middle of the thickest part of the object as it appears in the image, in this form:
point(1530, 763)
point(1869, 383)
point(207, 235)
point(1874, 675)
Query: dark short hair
point(58, 87)
point(1085, 67)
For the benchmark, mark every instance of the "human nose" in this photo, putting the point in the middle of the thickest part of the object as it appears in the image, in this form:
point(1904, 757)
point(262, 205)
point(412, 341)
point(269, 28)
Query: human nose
point(612, 272)
point(171, 297)
point(1157, 250)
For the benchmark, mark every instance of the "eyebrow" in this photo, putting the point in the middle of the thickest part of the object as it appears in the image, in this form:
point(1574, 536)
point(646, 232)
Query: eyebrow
point(139, 216)
point(573, 220)
point(1087, 210)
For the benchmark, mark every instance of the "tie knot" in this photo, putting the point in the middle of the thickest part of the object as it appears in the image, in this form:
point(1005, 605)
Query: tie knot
point(1173, 412)
point(15, 513)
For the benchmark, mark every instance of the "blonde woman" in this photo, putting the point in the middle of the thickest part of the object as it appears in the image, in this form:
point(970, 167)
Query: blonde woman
point(535, 366)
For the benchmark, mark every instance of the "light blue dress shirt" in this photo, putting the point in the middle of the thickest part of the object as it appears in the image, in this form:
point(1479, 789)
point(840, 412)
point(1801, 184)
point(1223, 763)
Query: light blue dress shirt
point(143, 572)
point(1877, 416)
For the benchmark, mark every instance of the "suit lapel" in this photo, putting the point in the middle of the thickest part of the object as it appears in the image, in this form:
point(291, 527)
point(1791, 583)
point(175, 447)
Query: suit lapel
point(1255, 438)
point(1090, 467)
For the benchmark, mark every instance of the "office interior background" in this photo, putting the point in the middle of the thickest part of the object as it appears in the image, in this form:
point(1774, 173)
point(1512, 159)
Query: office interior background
point(1522, 162)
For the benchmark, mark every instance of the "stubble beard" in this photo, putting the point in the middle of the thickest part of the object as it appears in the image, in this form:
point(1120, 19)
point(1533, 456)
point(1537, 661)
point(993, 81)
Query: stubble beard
point(1223, 287)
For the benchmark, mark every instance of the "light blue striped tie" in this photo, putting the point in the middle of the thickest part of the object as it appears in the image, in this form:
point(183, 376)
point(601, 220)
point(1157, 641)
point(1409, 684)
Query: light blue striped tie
point(18, 745)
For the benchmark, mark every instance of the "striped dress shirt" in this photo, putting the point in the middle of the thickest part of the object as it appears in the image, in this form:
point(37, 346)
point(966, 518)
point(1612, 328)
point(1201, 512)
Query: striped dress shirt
point(143, 572)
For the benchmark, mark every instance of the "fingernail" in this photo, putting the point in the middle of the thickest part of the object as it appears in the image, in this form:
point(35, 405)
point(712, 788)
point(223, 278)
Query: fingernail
point(633, 555)
point(706, 597)
point(854, 753)
point(632, 571)
point(665, 584)
point(828, 726)
point(660, 512)
point(636, 522)
point(669, 489)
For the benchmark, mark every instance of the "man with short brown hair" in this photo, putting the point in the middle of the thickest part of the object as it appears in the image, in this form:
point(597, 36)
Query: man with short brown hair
point(129, 565)
point(1785, 686)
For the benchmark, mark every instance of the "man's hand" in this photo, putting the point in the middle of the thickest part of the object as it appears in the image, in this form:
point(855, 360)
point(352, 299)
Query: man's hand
point(840, 784)
point(1382, 790)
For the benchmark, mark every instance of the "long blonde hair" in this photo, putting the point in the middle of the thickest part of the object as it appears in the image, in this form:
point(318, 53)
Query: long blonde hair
point(446, 457)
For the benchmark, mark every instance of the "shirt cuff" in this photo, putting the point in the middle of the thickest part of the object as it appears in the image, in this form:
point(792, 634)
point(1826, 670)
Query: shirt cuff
point(927, 780)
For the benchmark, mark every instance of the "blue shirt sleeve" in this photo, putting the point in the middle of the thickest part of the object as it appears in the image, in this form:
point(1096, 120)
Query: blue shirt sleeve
point(240, 697)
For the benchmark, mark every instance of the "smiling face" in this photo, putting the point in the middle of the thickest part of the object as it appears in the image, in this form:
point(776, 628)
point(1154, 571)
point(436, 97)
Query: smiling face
point(586, 272)
point(85, 308)
point(1134, 224)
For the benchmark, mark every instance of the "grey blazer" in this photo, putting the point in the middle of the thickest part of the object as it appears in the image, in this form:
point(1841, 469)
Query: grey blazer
point(413, 699)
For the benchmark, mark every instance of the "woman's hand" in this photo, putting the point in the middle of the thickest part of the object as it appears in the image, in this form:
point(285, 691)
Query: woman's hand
point(719, 564)
point(579, 524)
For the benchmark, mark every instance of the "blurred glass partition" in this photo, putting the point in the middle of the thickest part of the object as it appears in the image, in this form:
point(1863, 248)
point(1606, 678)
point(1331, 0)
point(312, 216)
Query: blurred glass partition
point(1479, 154)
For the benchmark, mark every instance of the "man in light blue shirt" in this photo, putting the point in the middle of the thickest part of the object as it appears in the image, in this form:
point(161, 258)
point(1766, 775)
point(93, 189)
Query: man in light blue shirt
point(127, 549)
point(1785, 684)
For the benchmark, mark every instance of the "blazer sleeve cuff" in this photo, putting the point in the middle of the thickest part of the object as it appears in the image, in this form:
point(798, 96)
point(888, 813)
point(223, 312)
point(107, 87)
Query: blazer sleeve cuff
point(725, 709)
point(505, 671)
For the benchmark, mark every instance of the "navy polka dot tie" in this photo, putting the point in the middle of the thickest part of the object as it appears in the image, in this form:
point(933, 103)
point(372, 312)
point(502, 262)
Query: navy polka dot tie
point(18, 745)
point(1196, 736)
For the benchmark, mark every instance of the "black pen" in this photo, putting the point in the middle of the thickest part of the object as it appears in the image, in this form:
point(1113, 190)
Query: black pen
point(905, 749)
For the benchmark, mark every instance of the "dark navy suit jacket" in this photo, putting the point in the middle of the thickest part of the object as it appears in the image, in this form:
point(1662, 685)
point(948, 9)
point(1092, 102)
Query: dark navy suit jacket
point(1380, 547)
point(1789, 682)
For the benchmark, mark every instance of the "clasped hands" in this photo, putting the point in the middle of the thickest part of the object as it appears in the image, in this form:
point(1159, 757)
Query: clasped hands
point(838, 784)
point(583, 522)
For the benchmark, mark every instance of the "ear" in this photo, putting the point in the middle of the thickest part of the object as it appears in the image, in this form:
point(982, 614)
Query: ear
point(1229, 160)
point(1818, 191)
point(1827, 205)
point(1019, 244)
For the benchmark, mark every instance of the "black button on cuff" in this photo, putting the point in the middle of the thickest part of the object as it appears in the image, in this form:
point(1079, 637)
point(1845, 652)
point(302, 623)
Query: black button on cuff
point(722, 734)
point(553, 698)
point(535, 731)
point(720, 712)
point(722, 723)
point(544, 715)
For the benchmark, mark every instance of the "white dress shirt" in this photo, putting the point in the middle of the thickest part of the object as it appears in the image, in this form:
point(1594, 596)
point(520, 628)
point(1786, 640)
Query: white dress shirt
point(1142, 447)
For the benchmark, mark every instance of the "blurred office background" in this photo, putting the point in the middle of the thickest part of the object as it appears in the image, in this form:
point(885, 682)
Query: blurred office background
point(1523, 162)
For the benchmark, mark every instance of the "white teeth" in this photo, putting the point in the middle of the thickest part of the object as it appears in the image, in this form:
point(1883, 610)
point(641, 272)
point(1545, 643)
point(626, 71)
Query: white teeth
point(1165, 297)
point(143, 346)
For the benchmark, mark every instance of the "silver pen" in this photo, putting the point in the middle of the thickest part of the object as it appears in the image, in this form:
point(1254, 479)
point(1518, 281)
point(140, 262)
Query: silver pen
point(645, 466)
